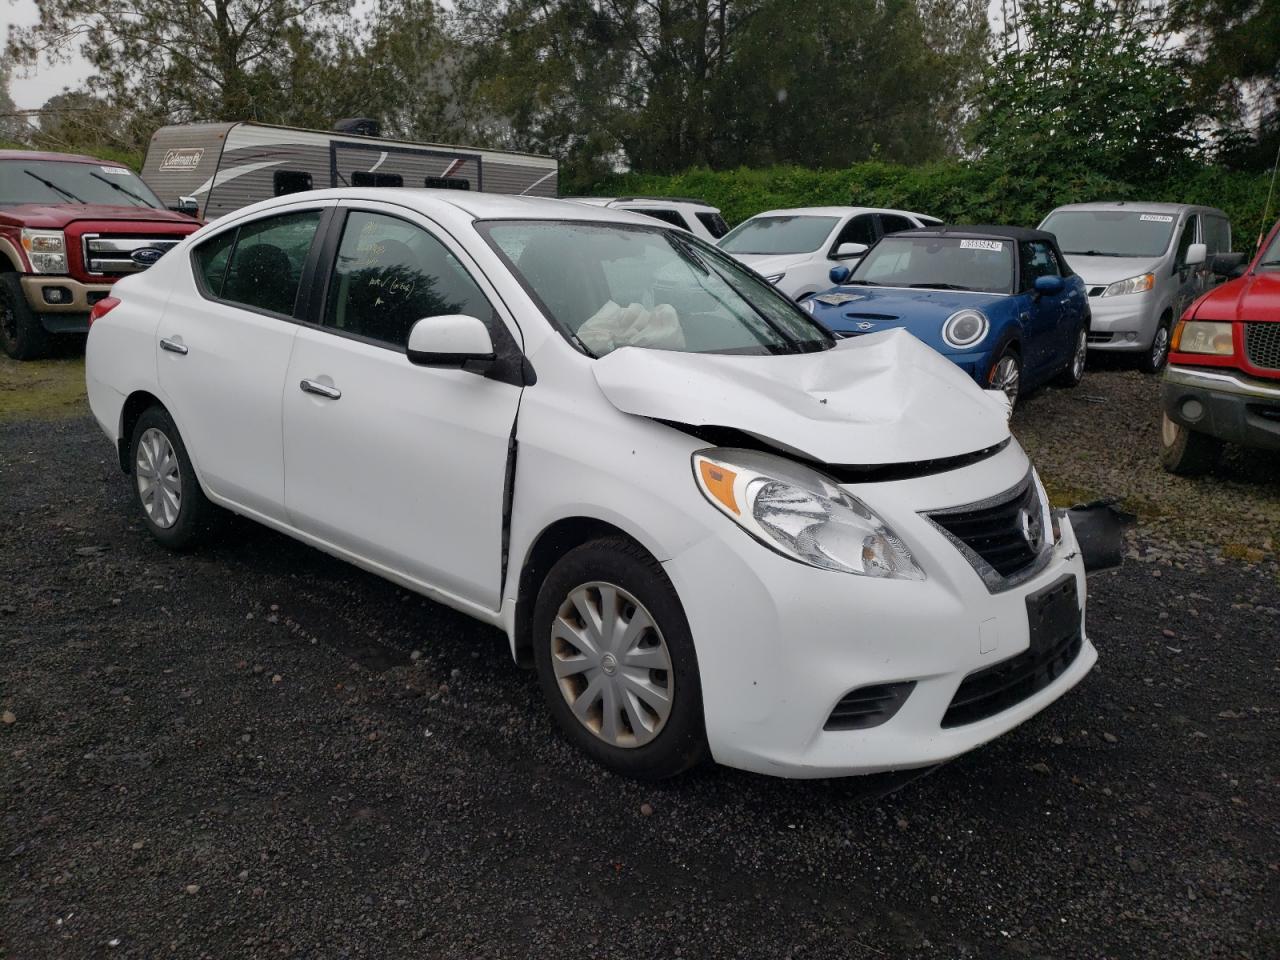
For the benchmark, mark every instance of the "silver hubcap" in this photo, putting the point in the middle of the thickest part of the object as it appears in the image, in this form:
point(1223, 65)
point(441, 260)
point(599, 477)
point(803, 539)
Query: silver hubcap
point(1082, 351)
point(159, 479)
point(1006, 376)
point(612, 665)
point(1159, 346)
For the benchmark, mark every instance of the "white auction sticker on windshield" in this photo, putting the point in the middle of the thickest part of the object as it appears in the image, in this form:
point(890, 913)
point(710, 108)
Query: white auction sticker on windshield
point(995, 246)
point(1156, 218)
point(116, 171)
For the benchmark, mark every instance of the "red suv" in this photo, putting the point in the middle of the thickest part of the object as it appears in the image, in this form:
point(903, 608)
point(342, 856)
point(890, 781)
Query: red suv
point(1223, 379)
point(70, 226)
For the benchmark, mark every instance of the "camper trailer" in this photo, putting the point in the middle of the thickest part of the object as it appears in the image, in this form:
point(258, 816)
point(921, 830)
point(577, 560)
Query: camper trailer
point(225, 166)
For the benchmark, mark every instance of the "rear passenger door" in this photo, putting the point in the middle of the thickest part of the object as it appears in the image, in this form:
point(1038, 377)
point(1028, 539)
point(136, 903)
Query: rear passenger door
point(223, 348)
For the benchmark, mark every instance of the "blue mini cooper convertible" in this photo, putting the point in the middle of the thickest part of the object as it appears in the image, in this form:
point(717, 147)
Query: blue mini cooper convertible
point(999, 301)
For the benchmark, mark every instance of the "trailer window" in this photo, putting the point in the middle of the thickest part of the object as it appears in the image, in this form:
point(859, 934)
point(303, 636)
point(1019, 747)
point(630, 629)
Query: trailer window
point(290, 181)
point(367, 178)
point(448, 183)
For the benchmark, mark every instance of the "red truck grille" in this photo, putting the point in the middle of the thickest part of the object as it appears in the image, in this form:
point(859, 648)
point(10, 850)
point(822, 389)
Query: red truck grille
point(1262, 344)
point(115, 256)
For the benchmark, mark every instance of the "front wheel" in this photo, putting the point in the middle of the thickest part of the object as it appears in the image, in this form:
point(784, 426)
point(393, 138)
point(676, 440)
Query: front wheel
point(1154, 360)
point(1073, 372)
point(1006, 375)
point(616, 663)
point(1187, 452)
point(173, 505)
point(22, 335)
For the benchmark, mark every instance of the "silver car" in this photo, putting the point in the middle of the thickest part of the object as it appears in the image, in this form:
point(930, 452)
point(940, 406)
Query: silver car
point(1143, 264)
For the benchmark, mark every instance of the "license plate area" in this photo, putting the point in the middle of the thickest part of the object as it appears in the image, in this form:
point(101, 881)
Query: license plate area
point(1053, 615)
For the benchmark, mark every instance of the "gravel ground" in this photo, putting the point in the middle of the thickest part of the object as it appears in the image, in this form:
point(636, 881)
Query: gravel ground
point(258, 751)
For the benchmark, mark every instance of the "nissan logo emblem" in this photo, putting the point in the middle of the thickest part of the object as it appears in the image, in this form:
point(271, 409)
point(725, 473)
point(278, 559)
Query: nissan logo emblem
point(146, 256)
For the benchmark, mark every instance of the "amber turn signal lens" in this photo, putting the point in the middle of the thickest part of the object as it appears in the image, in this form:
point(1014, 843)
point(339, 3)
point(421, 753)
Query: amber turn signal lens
point(718, 482)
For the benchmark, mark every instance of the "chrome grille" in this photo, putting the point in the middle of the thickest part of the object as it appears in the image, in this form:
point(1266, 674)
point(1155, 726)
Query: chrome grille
point(1262, 344)
point(114, 256)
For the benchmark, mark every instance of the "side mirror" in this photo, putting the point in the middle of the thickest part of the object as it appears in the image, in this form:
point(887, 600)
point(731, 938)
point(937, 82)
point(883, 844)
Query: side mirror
point(1196, 254)
point(847, 251)
point(1049, 285)
point(188, 205)
point(451, 340)
point(839, 274)
point(1225, 264)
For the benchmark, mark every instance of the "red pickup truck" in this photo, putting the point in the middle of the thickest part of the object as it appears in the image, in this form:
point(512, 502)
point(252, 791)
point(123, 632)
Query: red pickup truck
point(1223, 379)
point(70, 226)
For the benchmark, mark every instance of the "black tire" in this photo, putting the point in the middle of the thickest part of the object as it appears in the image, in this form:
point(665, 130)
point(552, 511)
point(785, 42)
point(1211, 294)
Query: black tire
point(1073, 372)
point(196, 516)
point(995, 376)
point(22, 335)
point(1187, 453)
point(1157, 356)
point(680, 742)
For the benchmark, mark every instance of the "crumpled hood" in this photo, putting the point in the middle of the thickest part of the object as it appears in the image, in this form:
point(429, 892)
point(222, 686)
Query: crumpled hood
point(879, 399)
point(1255, 296)
point(771, 264)
point(894, 307)
point(1099, 271)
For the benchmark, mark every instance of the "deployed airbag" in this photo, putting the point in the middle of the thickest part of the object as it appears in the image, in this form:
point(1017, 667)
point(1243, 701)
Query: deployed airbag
point(613, 326)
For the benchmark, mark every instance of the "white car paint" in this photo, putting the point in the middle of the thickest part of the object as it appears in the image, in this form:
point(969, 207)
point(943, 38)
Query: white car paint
point(405, 476)
point(692, 214)
point(802, 273)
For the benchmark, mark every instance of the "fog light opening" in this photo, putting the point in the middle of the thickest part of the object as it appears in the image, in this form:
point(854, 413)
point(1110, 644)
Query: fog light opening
point(1131, 336)
point(1192, 409)
point(56, 295)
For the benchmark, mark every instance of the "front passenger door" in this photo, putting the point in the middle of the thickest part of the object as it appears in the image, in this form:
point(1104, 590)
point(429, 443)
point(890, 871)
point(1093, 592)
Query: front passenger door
point(402, 466)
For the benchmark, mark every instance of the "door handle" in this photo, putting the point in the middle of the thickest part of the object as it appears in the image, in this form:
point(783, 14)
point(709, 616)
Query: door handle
point(173, 346)
point(321, 390)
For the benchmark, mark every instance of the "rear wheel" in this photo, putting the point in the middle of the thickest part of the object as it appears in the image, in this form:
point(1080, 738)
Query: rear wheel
point(1187, 452)
point(173, 506)
point(1006, 375)
point(1073, 372)
point(22, 335)
point(1154, 360)
point(616, 663)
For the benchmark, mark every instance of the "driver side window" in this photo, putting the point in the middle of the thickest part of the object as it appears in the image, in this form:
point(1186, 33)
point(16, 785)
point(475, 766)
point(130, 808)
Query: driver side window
point(390, 274)
point(1038, 260)
point(861, 229)
point(1185, 241)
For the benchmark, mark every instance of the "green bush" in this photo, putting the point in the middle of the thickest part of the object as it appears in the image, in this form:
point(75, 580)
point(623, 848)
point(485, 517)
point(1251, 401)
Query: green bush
point(955, 191)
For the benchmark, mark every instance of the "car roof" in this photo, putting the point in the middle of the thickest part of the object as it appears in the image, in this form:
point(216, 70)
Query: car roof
point(980, 231)
point(832, 212)
point(476, 206)
point(603, 201)
point(1138, 206)
point(65, 157)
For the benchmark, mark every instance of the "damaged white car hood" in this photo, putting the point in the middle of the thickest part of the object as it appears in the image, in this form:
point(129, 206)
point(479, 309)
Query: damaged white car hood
point(877, 399)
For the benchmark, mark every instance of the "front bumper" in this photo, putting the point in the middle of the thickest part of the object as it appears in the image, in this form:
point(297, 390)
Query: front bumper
point(780, 643)
point(1123, 323)
point(75, 299)
point(1224, 404)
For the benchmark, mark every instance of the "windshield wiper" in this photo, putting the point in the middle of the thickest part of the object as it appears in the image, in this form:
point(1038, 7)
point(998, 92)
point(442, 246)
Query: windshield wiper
point(938, 286)
point(1270, 263)
point(125, 190)
point(1095, 253)
point(53, 186)
point(862, 283)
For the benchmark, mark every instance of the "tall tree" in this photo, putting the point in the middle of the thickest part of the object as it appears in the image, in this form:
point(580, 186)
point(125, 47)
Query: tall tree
point(189, 59)
point(1085, 87)
point(1232, 51)
point(13, 125)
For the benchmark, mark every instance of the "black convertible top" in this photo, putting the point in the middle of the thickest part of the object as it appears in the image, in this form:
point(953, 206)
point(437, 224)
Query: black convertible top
point(979, 231)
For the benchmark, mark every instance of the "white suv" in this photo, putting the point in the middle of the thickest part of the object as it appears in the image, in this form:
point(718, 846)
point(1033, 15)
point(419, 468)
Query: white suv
point(795, 249)
point(697, 216)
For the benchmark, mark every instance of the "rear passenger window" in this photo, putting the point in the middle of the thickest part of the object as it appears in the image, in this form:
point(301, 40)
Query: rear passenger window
point(666, 216)
point(266, 264)
point(861, 229)
point(211, 261)
point(390, 274)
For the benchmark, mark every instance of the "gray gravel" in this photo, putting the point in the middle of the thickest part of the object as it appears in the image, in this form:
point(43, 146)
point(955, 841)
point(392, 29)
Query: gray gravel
point(257, 751)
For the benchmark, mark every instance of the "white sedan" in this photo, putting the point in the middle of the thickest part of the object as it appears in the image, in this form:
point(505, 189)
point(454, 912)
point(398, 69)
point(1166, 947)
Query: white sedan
point(795, 249)
point(713, 529)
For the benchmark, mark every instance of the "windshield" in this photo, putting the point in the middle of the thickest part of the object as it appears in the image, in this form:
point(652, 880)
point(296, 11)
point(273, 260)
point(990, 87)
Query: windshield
point(770, 235)
point(612, 285)
point(61, 182)
point(1111, 233)
point(940, 263)
point(1270, 259)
